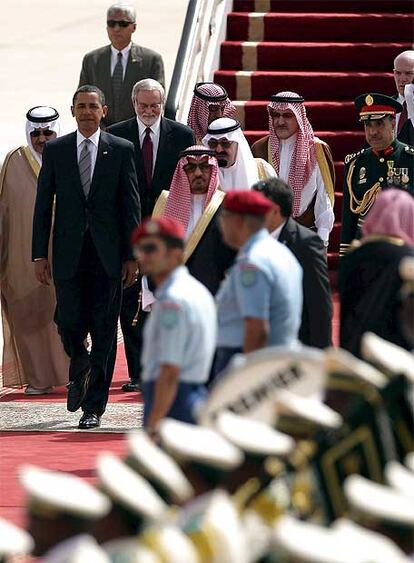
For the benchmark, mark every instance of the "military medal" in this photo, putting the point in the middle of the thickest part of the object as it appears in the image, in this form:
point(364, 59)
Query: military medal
point(404, 176)
point(362, 173)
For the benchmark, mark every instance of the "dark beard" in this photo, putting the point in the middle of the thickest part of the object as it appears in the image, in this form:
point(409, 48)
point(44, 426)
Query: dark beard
point(222, 163)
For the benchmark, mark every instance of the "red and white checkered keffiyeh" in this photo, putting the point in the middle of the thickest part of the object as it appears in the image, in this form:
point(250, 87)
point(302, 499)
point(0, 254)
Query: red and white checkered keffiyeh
point(304, 154)
point(198, 115)
point(179, 199)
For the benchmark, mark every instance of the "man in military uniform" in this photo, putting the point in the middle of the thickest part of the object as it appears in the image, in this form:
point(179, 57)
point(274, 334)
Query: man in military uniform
point(180, 334)
point(260, 301)
point(385, 163)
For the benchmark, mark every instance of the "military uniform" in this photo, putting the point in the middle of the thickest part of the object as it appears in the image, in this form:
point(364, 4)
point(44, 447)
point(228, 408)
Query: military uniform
point(181, 330)
point(371, 170)
point(264, 283)
point(366, 173)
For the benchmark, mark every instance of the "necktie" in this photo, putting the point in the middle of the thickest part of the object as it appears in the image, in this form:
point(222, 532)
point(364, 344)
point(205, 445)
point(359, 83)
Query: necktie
point(117, 81)
point(147, 157)
point(403, 117)
point(85, 167)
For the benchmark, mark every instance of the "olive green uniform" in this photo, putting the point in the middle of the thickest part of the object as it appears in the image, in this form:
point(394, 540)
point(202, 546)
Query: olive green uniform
point(367, 172)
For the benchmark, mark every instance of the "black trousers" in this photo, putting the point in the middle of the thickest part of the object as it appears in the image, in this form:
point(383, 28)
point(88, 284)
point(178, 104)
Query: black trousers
point(89, 303)
point(132, 332)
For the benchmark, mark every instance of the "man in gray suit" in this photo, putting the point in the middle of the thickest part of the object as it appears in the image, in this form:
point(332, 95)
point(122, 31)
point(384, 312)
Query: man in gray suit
point(118, 66)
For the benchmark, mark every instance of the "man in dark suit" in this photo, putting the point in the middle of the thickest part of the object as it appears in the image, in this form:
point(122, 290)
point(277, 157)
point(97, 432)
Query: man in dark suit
point(158, 142)
point(118, 66)
point(316, 327)
point(403, 75)
point(91, 176)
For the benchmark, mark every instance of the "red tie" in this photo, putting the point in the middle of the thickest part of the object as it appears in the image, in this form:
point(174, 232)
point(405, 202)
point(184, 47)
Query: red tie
point(148, 157)
point(403, 117)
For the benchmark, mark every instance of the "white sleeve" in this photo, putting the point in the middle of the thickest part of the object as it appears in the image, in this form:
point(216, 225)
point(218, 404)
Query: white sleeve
point(324, 215)
point(269, 170)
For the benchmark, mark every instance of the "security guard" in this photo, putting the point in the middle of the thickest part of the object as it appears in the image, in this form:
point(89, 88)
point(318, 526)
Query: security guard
point(259, 304)
point(180, 335)
point(385, 163)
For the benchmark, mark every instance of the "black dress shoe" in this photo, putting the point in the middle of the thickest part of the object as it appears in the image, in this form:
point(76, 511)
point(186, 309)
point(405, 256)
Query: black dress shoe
point(89, 420)
point(132, 385)
point(77, 391)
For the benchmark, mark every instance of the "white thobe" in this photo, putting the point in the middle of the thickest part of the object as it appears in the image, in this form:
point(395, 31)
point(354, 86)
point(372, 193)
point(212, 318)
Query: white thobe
point(324, 215)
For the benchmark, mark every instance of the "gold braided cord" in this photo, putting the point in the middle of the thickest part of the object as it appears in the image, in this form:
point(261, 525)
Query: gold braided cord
point(361, 207)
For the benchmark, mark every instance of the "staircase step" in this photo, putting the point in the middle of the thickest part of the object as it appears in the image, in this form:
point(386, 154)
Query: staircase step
point(319, 27)
point(236, 55)
point(260, 85)
point(322, 114)
point(324, 6)
point(340, 142)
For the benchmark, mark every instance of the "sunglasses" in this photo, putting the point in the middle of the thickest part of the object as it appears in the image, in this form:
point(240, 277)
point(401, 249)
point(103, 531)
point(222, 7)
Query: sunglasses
point(192, 167)
point(149, 248)
point(225, 144)
point(45, 133)
point(120, 23)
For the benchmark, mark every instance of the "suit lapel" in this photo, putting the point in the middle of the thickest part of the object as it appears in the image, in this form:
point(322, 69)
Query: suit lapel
point(106, 75)
point(132, 70)
point(73, 163)
point(101, 159)
point(165, 133)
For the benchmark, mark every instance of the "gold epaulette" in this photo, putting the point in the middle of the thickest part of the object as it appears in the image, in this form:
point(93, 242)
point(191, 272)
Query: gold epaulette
point(409, 149)
point(353, 155)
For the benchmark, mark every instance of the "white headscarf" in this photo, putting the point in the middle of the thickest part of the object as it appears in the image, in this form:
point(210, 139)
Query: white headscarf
point(43, 117)
point(243, 174)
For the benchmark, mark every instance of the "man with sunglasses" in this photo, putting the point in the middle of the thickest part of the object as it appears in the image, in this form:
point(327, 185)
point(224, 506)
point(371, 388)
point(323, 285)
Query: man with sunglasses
point(195, 199)
point(180, 334)
point(118, 66)
point(238, 169)
point(33, 353)
point(302, 160)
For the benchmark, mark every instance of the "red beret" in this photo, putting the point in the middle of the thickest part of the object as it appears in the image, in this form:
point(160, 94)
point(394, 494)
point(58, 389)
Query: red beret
point(162, 227)
point(248, 202)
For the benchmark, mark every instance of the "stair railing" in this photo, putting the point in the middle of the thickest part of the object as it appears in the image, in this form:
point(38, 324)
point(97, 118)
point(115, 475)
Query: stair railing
point(198, 54)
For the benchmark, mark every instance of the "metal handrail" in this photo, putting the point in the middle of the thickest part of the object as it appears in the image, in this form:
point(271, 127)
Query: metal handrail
point(198, 53)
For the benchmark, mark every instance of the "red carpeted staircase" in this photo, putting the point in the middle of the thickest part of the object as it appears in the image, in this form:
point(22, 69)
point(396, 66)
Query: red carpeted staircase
point(330, 51)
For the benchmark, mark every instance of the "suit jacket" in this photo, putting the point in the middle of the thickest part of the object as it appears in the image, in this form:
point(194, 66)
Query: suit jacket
point(111, 211)
point(211, 258)
point(142, 63)
point(316, 327)
point(174, 138)
point(406, 135)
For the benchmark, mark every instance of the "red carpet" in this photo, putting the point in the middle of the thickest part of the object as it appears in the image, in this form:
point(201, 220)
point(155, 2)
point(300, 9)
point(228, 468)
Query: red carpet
point(67, 451)
point(328, 51)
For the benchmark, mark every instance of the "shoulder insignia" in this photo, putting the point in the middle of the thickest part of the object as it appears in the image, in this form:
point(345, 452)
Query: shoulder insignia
point(170, 312)
point(353, 155)
point(409, 149)
point(248, 274)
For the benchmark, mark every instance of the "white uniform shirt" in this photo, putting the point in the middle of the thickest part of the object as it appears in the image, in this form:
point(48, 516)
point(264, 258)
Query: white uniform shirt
point(155, 137)
point(114, 58)
point(324, 215)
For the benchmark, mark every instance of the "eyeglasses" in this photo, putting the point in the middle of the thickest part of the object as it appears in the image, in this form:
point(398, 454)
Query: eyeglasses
point(44, 132)
point(224, 143)
point(149, 248)
point(119, 23)
point(192, 167)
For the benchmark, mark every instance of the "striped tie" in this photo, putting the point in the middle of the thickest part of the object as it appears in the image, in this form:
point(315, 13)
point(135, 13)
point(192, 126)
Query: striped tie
point(117, 82)
point(85, 167)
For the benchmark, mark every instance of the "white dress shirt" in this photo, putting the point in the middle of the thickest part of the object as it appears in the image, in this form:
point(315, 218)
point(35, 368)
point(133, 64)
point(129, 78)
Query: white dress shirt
point(324, 215)
point(155, 137)
point(276, 233)
point(197, 207)
point(114, 58)
point(93, 146)
point(400, 99)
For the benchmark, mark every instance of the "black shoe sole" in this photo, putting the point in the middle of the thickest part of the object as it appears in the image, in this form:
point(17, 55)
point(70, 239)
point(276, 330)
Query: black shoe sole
point(74, 403)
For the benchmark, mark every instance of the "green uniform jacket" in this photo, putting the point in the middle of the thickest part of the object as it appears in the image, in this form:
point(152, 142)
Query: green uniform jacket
point(366, 174)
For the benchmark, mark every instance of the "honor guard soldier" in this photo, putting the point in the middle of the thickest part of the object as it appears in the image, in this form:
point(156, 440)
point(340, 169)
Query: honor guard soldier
point(180, 335)
point(385, 163)
point(259, 304)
